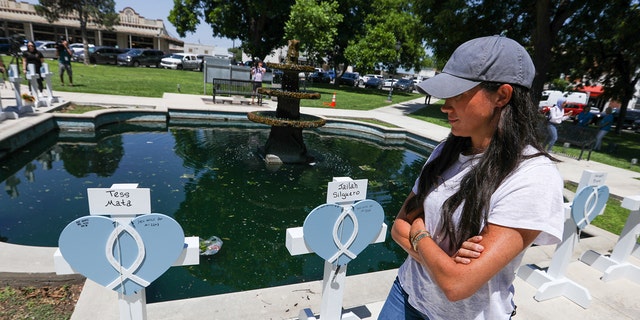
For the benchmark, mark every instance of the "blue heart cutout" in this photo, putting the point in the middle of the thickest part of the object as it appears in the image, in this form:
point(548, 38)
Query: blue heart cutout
point(588, 204)
point(124, 258)
point(329, 230)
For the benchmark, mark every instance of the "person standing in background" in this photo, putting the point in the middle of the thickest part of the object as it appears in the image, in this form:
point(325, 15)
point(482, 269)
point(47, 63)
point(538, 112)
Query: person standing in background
point(555, 117)
point(64, 54)
point(256, 77)
point(605, 127)
point(35, 57)
point(584, 117)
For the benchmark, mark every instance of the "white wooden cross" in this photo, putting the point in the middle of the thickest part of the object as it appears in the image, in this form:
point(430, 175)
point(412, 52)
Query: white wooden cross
point(131, 306)
point(617, 265)
point(46, 76)
point(334, 276)
point(32, 77)
point(553, 283)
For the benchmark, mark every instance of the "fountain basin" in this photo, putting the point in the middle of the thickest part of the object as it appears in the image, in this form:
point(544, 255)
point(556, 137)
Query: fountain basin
point(270, 118)
point(214, 185)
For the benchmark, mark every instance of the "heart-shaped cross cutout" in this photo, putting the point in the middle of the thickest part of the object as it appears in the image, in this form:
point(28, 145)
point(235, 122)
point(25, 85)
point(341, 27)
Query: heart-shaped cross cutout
point(588, 204)
point(124, 258)
point(339, 234)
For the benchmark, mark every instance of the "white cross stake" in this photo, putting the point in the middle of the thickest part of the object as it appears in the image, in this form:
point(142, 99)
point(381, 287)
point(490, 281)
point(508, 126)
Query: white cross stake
point(46, 76)
point(126, 251)
point(617, 265)
point(590, 200)
point(338, 231)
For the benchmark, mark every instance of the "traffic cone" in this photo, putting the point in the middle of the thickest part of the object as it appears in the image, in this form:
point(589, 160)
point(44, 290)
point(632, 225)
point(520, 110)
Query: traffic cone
point(333, 101)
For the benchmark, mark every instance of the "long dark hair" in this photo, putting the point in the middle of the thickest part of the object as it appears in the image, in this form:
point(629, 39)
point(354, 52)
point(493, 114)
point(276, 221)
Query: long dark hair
point(517, 128)
point(33, 45)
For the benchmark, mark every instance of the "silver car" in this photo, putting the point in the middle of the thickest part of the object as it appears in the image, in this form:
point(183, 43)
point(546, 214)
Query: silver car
point(47, 48)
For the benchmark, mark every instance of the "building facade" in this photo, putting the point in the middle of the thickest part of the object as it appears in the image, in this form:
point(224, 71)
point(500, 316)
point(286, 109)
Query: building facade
point(133, 30)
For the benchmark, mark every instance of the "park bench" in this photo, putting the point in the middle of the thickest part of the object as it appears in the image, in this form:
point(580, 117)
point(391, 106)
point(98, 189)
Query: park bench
point(584, 137)
point(232, 87)
point(230, 80)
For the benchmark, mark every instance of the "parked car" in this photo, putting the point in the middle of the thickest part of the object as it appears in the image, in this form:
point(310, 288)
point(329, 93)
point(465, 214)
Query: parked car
point(5, 45)
point(78, 56)
point(76, 47)
point(629, 120)
point(363, 79)
point(375, 83)
point(349, 78)
point(181, 61)
point(550, 97)
point(47, 48)
point(320, 77)
point(105, 55)
point(404, 85)
point(573, 108)
point(389, 82)
point(140, 57)
point(636, 126)
point(332, 74)
point(201, 58)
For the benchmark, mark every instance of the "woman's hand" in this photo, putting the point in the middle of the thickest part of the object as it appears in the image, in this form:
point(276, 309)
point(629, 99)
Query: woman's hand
point(471, 249)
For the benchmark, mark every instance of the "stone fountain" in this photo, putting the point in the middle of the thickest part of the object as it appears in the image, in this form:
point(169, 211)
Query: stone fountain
point(285, 143)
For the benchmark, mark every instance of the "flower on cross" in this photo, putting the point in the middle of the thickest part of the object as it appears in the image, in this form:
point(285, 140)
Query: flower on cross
point(27, 97)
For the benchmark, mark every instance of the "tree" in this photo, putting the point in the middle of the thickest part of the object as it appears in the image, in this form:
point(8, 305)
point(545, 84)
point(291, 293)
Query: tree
point(100, 12)
point(237, 53)
point(315, 25)
point(535, 24)
point(393, 38)
point(603, 46)
point(352, 27)
point(257, 24)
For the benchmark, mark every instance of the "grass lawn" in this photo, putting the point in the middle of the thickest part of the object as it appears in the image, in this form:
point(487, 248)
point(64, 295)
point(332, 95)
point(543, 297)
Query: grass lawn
point(154, 82)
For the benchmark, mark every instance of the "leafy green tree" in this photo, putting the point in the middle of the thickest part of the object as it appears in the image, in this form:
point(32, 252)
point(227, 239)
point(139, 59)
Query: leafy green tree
point(393, 38)
point(236, 52)
point(603, 46)
point(314, 23)
point(535, 24)
point(101, 12)
point(352, 27)
point(259, 25)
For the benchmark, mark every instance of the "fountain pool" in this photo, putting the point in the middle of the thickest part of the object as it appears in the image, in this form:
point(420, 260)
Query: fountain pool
point(213, 182)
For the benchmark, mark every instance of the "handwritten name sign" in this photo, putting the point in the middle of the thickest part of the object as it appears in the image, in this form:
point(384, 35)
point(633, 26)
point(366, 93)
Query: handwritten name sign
point(112, 201)
point(347, 191)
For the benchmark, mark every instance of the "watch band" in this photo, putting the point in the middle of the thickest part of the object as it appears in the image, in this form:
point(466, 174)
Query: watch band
point(421, 235)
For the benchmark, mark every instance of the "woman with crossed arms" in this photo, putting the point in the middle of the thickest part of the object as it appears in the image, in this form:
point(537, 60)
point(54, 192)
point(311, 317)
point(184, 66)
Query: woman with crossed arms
point(490, 182)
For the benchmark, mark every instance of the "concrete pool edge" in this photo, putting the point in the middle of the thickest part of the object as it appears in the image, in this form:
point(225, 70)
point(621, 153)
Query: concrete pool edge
point(34, 126)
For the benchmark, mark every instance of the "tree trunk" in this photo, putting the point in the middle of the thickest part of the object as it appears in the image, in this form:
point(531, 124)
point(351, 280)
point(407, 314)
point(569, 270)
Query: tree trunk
point(542, 40)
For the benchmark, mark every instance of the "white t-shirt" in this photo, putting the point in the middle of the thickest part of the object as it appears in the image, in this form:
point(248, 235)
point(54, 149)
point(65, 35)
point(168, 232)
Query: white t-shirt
point(556, 115)
point(529, 198)
point(257, 73)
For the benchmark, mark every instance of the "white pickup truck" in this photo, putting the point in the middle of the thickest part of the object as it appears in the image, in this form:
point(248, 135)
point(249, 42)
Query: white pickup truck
point(181, 61)
point(550, 97)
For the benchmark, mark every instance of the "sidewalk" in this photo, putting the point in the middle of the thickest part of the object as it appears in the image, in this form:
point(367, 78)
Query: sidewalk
point(615, 300)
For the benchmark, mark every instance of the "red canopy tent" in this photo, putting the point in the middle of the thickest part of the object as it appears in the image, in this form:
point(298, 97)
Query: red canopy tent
point(593, 91)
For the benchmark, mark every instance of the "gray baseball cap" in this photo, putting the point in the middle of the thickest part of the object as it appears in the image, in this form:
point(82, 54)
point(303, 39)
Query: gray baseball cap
point(493, 59)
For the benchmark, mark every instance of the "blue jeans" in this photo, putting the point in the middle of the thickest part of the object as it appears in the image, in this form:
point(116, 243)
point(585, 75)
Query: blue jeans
point(553, 136)
point(397, 306)
point(599, 136)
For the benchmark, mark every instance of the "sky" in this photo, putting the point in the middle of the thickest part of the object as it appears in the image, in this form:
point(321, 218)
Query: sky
point(159, 9)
